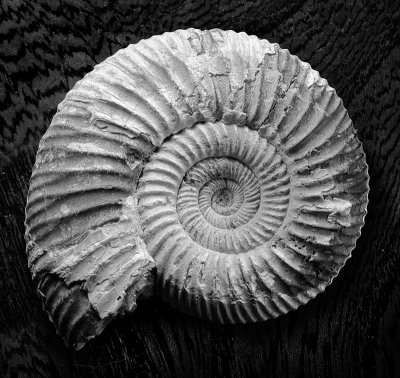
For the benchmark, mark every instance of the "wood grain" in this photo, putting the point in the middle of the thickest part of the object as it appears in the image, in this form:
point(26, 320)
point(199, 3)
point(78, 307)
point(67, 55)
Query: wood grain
point(351, 330)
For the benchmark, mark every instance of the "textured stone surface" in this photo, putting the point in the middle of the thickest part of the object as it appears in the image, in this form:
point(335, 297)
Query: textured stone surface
point(226, 159)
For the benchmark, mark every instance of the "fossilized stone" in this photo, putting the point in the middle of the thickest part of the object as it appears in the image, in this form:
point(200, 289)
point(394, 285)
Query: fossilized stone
point(219, 159)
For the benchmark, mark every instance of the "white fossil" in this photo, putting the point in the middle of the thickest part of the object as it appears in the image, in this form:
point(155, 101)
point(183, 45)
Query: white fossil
point(217, 160)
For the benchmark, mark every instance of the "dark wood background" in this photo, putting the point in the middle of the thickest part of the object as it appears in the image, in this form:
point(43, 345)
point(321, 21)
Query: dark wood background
point(351, 330)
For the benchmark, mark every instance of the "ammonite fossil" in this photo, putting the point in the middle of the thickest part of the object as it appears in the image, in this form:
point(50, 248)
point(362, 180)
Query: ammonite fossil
point(210, 167)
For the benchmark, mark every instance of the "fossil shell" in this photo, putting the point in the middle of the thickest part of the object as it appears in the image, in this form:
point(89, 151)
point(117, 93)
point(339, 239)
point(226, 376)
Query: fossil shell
point(216, 157)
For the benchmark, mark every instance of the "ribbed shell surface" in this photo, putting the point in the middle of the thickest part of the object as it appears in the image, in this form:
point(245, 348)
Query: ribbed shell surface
point(219, 159)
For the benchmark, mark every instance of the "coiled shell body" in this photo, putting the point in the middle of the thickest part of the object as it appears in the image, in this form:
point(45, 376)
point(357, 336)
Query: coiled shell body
point(215, 157)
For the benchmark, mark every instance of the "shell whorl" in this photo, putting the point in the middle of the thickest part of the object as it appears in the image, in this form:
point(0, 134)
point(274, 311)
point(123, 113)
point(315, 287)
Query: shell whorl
point(216, 157)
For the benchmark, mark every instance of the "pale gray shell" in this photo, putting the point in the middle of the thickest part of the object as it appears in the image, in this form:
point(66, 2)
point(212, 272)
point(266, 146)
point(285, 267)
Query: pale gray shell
point(221, 156)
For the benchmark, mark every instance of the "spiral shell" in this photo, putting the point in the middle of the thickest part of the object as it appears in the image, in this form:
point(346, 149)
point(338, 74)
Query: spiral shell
point(219, 159)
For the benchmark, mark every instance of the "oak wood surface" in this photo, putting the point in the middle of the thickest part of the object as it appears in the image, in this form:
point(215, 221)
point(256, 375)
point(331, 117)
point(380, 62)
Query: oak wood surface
point(351, 330)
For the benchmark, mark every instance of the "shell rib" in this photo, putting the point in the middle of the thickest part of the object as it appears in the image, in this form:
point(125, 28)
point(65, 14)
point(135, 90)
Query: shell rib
point(219, 159)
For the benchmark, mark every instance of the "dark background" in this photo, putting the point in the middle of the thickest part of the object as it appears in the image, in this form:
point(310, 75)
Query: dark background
point(351, 330)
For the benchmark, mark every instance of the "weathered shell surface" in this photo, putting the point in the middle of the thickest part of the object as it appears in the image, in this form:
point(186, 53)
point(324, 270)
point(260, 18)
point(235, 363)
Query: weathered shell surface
point(225, 159)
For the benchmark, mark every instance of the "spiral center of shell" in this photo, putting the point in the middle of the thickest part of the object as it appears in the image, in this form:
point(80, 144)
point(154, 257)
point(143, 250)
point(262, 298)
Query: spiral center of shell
point(218, 188)
point(221, 199)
